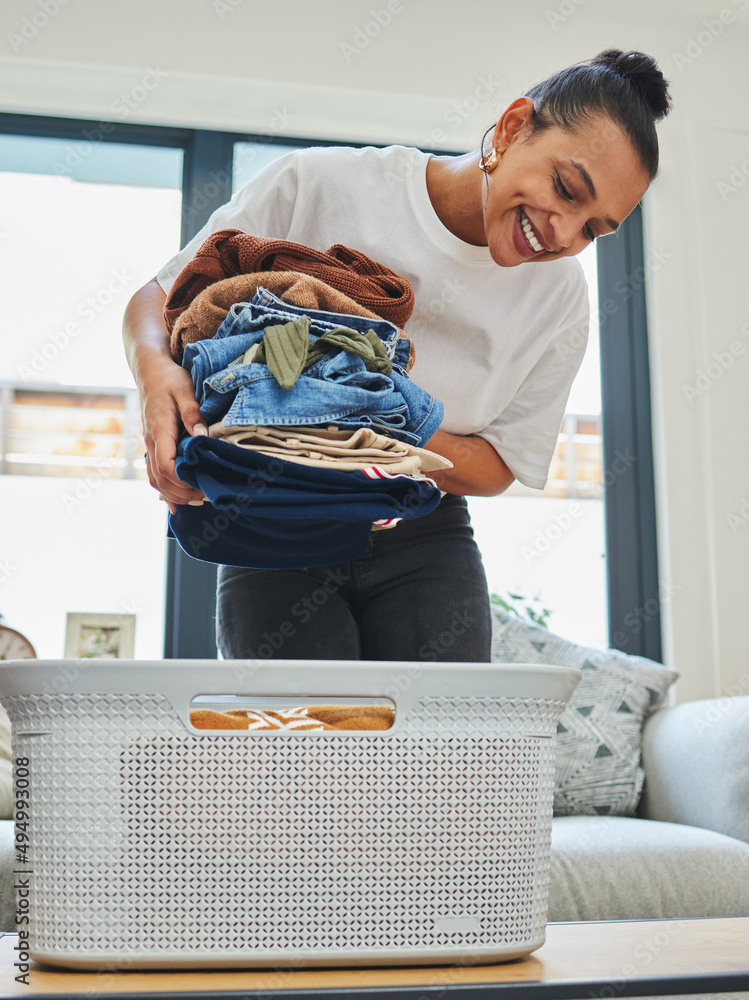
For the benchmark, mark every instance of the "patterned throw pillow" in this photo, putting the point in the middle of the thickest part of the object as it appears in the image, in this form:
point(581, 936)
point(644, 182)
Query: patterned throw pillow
point(598, 770)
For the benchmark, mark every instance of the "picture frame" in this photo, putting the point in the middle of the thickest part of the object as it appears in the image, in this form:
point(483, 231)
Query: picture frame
point(90, 635)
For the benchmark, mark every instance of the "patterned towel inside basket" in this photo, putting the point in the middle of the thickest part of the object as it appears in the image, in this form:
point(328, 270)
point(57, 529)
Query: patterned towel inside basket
point(309, 717)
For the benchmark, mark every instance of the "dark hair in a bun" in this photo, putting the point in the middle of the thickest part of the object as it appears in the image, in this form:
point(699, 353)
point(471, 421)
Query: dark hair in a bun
point(627, 87)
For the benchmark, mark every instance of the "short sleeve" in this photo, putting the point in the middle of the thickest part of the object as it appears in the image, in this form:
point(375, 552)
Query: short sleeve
point(525, 433)
point(264, 206)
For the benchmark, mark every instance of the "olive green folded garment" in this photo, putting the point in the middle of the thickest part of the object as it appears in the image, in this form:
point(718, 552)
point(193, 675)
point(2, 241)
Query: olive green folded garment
point(284, 349)
point(287, 351)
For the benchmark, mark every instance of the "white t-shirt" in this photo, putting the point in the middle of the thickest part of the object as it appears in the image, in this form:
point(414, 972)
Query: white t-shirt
point(499, 346)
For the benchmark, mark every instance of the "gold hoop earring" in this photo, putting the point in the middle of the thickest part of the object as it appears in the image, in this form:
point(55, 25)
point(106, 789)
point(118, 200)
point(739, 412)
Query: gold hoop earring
point(488, 163)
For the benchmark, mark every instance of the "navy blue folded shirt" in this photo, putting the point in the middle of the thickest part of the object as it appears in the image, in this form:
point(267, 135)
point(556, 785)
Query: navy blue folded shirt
point(267, 513)
point(221, 536)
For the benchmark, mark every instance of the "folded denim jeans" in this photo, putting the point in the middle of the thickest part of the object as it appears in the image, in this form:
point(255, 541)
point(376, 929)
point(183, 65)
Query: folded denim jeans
point(398, 347)
point(336, 389)
point(266, 303)
point(249, 319)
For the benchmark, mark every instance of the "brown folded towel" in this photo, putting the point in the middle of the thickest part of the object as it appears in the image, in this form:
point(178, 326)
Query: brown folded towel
point(314, 718)
point(229, 252)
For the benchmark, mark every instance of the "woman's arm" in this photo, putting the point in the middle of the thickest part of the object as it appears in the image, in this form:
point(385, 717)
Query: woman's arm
point(166, 392)
point(479, 471)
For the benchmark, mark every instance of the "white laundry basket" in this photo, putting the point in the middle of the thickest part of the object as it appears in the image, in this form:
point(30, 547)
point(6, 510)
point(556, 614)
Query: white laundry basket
point(153, 844)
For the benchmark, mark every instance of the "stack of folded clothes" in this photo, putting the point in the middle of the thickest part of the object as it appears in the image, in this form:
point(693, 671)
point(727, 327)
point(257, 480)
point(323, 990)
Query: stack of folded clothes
point(316, 431)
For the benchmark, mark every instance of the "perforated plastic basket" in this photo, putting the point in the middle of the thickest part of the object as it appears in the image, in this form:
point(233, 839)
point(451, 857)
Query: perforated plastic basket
point(153, 844)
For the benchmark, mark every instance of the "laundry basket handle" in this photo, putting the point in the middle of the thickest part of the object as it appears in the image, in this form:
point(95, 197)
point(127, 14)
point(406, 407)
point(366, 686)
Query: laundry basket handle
point(399, 684)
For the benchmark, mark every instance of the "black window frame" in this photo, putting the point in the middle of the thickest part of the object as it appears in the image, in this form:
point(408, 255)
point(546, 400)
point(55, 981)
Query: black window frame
point(629, 495)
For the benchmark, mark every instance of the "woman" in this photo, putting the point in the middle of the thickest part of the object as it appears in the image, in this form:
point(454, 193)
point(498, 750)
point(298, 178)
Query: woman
point(497, 342)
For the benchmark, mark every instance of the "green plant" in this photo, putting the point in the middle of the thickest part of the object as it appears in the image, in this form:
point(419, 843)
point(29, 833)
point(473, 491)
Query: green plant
point(524, 607)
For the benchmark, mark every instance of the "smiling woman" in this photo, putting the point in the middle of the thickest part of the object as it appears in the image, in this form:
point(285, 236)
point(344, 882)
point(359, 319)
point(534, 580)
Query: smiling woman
point(577, 152)
point(555, 192)
point(497, 344)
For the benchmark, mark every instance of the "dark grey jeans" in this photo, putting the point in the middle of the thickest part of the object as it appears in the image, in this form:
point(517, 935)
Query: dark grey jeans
point(419, 592)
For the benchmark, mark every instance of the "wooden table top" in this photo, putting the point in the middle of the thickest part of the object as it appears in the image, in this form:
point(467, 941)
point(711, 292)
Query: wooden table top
point(607, 960)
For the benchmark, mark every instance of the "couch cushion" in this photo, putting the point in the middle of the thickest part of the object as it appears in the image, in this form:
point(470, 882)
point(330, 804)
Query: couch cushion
point(616, 868)
point(598, 770)
point(696, 757)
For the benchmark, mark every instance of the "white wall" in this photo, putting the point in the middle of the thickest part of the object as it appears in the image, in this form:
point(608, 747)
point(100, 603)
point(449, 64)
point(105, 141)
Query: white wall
point(435, 74)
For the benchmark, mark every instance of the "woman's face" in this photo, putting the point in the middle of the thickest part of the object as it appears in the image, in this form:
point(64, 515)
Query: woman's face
point(555, 191)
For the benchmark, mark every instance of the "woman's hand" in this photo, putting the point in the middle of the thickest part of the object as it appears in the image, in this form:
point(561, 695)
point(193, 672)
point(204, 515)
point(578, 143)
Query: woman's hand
point(167, 404)
point(166, 393)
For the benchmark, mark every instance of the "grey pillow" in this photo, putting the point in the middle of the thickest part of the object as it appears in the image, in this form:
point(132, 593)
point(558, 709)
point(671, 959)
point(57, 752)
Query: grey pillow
point(598, 769)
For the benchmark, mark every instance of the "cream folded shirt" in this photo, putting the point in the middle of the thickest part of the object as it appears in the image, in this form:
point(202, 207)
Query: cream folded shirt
point(333, 448)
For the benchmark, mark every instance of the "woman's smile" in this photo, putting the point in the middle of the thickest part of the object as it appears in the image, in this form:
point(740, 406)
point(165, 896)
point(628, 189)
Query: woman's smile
point(527, 239)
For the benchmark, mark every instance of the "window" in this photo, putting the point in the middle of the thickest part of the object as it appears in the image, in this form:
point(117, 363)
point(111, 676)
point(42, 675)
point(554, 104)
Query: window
point(535, 542)
point(84, 528)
